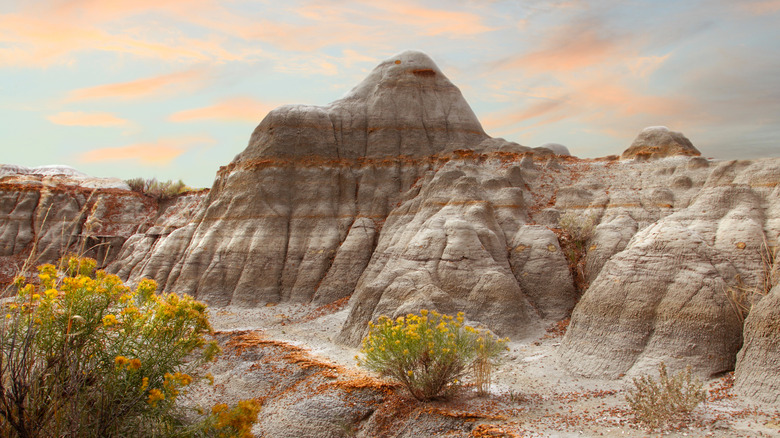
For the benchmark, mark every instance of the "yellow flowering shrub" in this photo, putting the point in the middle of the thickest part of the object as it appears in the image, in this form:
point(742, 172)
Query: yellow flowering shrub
point(81, 351)
point(235, 422)
point(429, 353)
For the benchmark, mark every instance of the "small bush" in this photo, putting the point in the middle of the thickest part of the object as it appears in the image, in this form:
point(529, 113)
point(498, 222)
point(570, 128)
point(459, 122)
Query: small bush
point(430, 353)
point(84, 355)
point(579, 226)
point(160, 190)
point(658, 403)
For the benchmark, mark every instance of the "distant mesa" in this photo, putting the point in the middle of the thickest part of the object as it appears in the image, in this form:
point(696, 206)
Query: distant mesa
point(557, 148)
point(49, 170)
point(659, 142)
point(57, 174)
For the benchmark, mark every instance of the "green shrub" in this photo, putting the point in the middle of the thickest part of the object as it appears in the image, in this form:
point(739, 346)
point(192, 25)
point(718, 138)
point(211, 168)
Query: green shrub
point(429, 354)
point(84, 355)
point(658, 403)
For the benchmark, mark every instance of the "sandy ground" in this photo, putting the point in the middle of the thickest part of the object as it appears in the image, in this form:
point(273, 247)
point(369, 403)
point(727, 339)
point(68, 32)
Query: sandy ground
point(530, 395)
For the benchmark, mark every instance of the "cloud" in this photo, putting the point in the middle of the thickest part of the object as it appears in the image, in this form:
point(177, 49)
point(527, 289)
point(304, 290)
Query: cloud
point(432, 21)
point(159, 153)
point(243, 109)
point(78, 118)
point(44, 34)
point(157, 85)
point(644, 66)
point(574, 46)
point(504, 119)
point(761, 7)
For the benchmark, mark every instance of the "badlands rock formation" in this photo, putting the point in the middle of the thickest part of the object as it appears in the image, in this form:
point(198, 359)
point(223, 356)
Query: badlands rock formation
point(659, 142)
point(395, 197)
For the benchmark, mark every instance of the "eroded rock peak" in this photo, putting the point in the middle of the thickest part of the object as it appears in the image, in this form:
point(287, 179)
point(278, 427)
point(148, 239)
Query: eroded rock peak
point(406, 106)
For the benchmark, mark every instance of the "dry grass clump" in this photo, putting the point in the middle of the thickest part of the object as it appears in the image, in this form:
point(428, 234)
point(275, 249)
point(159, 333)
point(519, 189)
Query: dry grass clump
point(743, 297)
point(659, 403)
point(579, 226)
point(160, 190)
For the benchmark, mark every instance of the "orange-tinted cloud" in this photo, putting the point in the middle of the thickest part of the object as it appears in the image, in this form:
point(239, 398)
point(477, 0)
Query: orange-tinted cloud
point(570, 48)
point(234, 109)
point(761, 7)
point(156, 85)
point(432, 21)
point(43, 34)
point(501, 120)
point(78, 118)
point(158, 153)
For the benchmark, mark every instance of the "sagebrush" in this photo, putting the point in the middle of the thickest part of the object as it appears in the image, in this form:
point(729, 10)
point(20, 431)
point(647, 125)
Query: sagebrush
point(430, 353)
point(83, 355)
point(660, 403)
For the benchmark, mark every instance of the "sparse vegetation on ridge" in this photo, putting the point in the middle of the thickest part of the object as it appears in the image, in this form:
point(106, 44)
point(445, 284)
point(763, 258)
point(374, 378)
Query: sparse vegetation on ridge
point(84, 355)
point(430, 353)
point(160, 190)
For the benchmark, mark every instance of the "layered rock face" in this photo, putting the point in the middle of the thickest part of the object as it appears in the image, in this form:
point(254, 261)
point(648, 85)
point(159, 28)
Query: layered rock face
point(661, 294)
point(758, 363)
point(55, 211)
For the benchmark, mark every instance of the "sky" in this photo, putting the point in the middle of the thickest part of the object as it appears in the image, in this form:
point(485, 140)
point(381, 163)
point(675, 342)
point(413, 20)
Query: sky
point(172, 89)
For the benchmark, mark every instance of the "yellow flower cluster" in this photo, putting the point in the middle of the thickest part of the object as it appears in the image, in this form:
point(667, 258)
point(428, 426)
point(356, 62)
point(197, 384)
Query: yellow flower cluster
point(238, 420)
point(155, 395)
point(109, 320)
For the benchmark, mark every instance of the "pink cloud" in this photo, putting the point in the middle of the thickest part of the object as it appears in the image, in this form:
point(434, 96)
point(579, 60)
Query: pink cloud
point(234, 109)
point(78, 118)
point(159, 153)
point(432, 21)
point(40, 35)
point(504, 119)
point(570, 48)
point(761, 7)
point(157, 85)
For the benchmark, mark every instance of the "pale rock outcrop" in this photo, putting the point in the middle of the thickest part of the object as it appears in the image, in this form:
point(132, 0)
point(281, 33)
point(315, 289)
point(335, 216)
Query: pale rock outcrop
point(758, 363)
point(461, 244)
point(659, 142)
point(406, 106)
point(663, 297)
